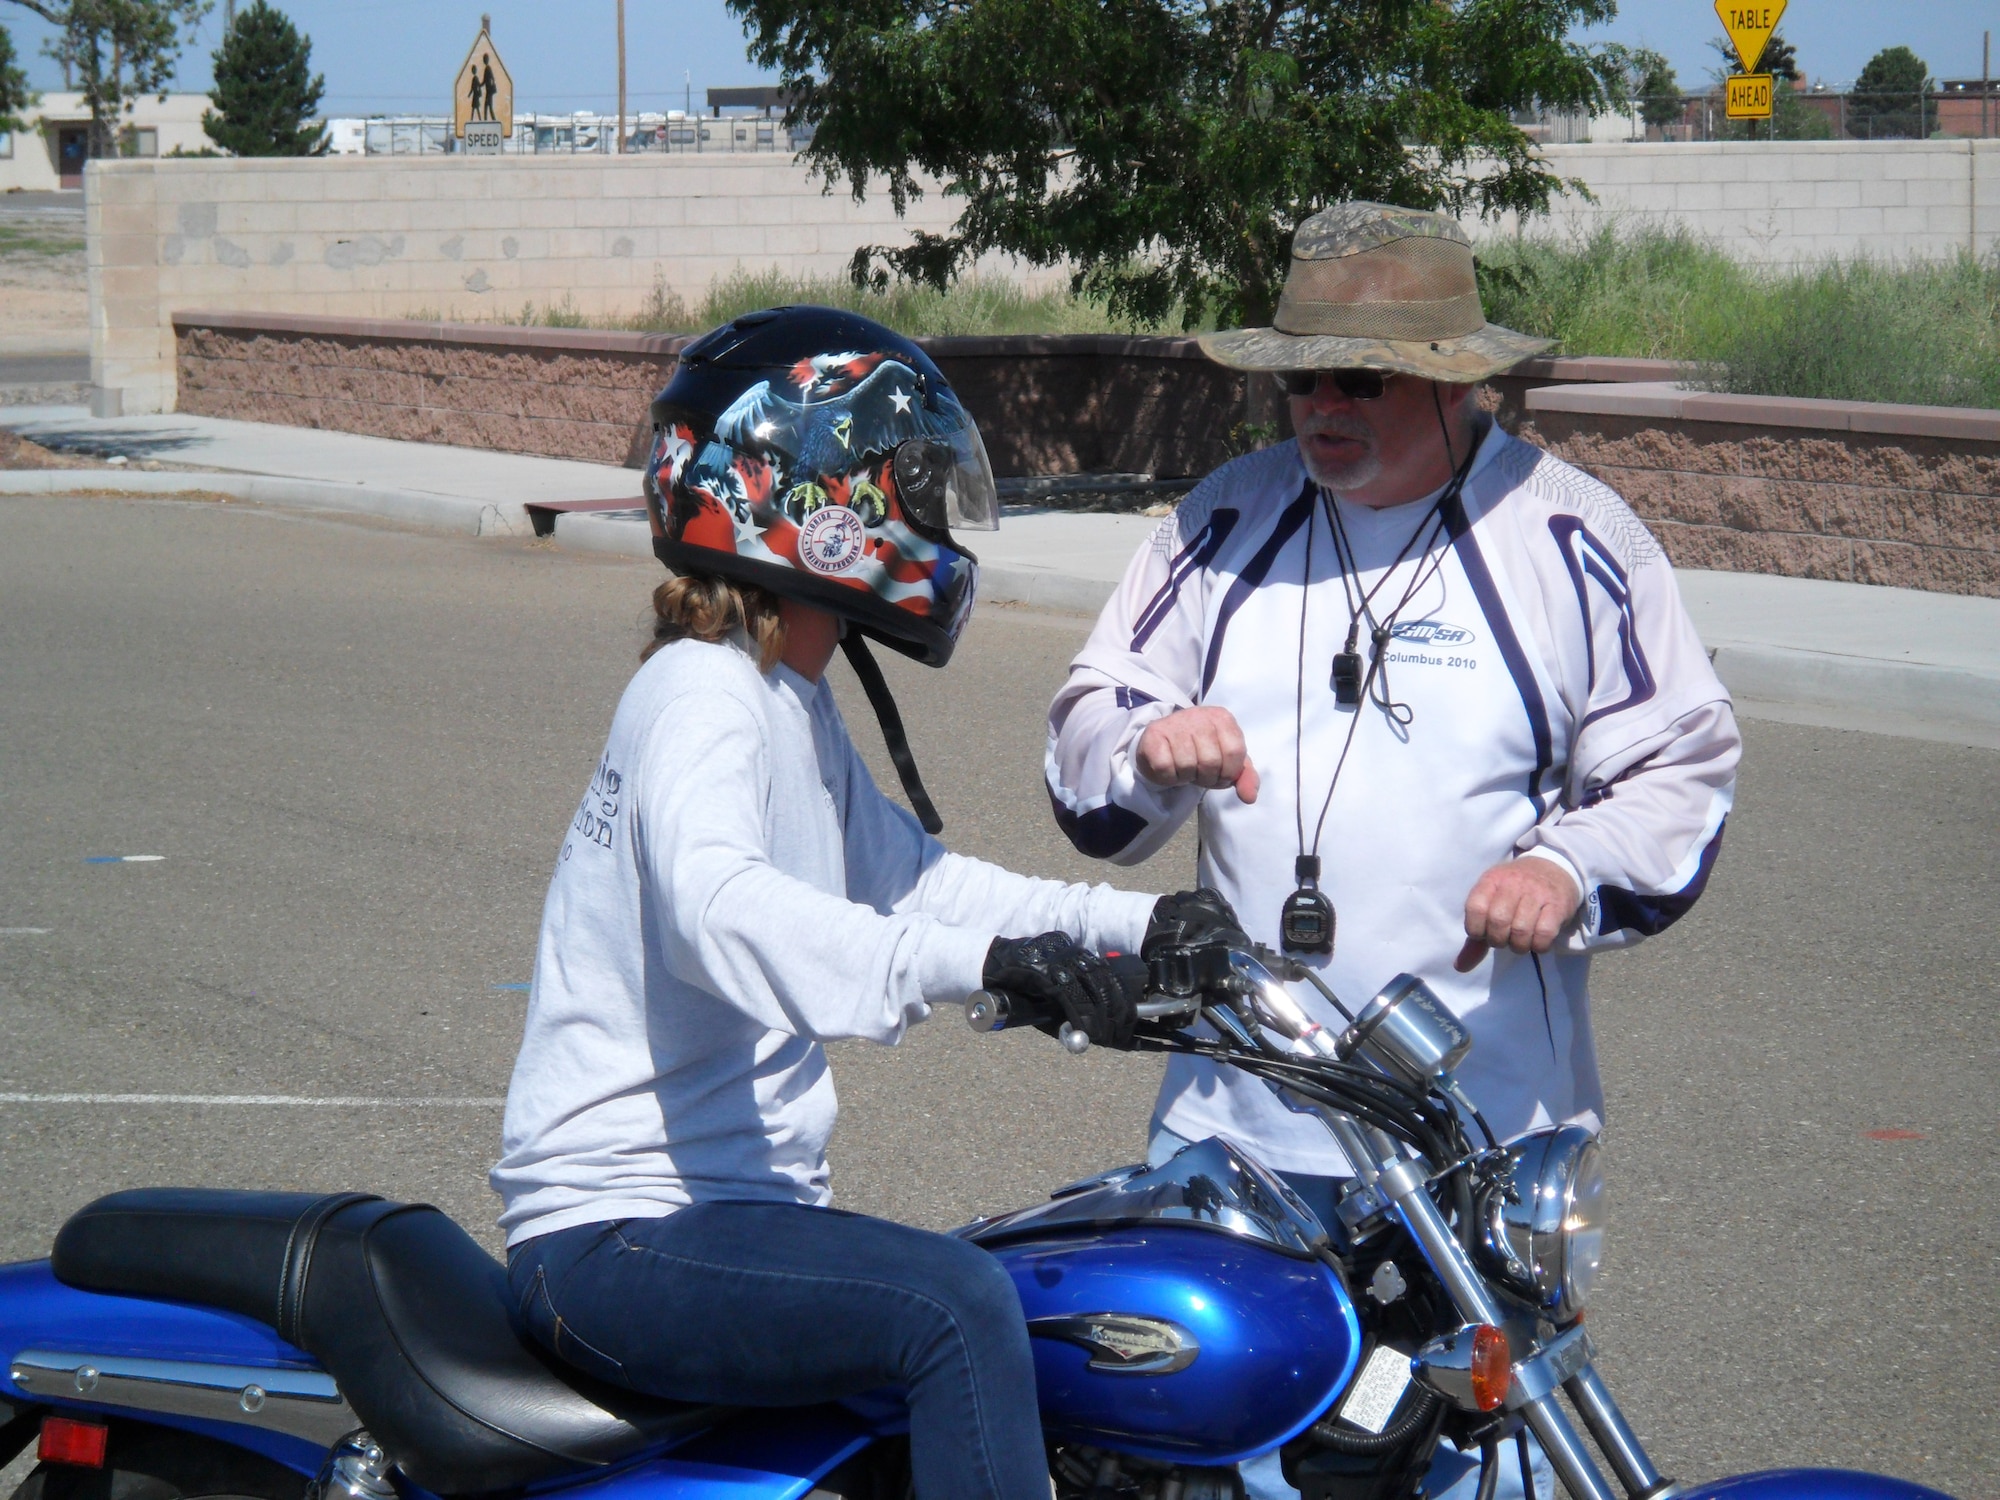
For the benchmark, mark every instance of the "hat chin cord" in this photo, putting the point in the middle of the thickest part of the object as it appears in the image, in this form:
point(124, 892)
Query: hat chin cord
point(854, 646)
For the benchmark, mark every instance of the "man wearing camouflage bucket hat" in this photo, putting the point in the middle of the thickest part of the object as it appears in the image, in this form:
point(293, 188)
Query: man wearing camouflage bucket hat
point(1430, 692)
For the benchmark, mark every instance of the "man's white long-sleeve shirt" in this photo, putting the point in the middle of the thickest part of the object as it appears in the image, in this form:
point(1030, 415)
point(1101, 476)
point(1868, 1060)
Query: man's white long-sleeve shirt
point(733, 891)
point(1559, 706)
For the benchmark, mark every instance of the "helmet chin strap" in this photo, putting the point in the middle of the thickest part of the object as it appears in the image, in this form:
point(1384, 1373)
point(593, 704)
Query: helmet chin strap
point(855, 645)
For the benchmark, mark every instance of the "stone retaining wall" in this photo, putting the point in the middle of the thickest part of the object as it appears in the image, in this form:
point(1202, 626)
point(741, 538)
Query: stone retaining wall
point(1816, 489)
point(1856, 491)
point(1071, 404)
point(555, 392)
point(1046, 405)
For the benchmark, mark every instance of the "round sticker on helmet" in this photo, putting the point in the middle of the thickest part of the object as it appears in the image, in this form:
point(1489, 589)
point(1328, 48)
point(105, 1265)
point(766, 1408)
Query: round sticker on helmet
point(832, 540)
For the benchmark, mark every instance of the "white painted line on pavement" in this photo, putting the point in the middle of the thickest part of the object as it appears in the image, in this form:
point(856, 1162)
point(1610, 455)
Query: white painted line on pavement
point(23, 931)
point(345, 1101)
point(123, 859)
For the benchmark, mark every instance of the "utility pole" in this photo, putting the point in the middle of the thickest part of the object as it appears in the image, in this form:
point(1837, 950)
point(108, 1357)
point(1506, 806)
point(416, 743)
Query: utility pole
point(228, 15)
point(621, 77)
point(1985, 82)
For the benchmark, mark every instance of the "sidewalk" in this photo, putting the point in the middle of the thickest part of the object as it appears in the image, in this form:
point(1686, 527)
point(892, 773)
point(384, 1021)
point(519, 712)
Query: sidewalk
point(426, 484)
point(1894, 661)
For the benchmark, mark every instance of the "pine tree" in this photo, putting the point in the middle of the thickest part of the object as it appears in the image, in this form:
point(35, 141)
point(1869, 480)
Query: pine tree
point(1888, 98)
point(15, 95)
point(265, 89)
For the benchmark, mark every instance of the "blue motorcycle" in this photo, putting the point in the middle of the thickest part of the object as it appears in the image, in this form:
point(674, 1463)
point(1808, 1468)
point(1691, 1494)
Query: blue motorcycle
point(185, 1344)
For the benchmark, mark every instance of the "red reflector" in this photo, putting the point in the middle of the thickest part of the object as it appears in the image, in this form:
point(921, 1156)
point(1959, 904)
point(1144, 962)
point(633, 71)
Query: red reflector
point(68, 1441)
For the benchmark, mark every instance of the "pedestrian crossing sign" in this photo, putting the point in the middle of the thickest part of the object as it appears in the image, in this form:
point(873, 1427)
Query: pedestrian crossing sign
point(482, 100)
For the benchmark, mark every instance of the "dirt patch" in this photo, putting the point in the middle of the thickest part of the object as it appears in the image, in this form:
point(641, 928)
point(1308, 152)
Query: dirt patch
point(17, 452)
point(43, 301)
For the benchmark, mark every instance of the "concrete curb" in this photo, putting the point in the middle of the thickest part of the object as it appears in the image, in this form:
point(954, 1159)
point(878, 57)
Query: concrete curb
point(1083, 596)
point(453, 513)
point(593, 531)
point(1894, 689)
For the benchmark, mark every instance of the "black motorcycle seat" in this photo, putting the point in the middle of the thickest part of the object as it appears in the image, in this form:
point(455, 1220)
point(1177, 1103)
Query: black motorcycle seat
point(406, 1312)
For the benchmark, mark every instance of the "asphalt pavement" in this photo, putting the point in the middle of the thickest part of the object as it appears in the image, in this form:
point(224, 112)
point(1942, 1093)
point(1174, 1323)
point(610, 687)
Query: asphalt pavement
point(280, 799)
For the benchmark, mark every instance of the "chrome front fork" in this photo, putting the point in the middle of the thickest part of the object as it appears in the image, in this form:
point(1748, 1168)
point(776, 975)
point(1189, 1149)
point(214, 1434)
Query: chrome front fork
point(1564, 1364)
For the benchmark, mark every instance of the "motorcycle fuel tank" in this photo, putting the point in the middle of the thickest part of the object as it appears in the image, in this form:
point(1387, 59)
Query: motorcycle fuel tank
point(1179, 1313)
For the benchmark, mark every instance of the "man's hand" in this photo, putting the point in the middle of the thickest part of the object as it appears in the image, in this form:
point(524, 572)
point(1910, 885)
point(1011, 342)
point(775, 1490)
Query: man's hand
point(1521, 905)
point(1202, 746)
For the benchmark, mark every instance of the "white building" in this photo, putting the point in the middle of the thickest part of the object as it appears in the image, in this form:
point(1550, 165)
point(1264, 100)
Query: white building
point(50, 150)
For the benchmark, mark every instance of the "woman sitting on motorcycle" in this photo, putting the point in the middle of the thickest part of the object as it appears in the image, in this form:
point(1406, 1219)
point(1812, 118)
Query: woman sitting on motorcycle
point(734, 891)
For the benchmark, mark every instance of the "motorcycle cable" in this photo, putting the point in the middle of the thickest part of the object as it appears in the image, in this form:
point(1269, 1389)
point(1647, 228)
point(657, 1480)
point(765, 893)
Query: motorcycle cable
point(1309, 1081)
point(1489, 1469)
point(1356, 1095)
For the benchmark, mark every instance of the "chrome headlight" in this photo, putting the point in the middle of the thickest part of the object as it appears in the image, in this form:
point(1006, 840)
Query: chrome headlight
point(1546, 1236)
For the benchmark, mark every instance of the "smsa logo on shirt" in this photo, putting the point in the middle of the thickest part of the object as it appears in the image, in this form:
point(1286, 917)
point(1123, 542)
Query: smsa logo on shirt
point(1432, 633)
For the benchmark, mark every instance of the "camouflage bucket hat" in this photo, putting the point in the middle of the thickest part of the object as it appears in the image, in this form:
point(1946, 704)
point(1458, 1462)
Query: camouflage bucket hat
point(1379, 288)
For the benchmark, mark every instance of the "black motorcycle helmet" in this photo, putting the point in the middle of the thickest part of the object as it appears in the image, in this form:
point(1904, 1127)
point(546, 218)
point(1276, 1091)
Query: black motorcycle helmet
point(823, 457)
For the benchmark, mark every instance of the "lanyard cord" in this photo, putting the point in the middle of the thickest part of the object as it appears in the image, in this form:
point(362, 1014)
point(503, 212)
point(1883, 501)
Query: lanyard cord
point(1376, 686)
point(1428, 567)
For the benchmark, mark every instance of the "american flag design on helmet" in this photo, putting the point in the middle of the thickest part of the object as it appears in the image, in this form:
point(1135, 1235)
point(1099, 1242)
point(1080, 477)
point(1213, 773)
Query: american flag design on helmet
point(780, 459)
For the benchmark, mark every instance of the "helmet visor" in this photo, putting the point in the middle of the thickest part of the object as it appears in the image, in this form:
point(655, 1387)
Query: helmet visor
point(971, 500)
point(946, 484)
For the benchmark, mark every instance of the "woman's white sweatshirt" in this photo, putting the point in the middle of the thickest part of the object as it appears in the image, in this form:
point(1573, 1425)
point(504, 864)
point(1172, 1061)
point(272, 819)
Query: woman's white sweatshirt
point(734, 891)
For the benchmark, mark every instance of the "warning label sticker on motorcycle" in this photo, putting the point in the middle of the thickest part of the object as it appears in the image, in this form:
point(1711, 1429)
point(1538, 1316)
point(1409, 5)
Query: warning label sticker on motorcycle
point(1383, 1380)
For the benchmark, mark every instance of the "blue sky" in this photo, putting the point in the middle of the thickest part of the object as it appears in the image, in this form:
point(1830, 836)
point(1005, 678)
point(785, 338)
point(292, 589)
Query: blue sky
point(384, 56)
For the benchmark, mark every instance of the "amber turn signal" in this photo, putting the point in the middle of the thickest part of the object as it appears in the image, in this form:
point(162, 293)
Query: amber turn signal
point(1492, 1367)
point(68, 1441)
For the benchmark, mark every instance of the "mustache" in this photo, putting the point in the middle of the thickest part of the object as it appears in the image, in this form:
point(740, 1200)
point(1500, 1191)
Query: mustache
point(1330, 424)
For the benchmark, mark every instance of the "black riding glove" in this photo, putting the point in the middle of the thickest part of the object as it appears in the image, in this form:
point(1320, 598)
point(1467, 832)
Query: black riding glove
point(1051, 971)
point(1192, 919)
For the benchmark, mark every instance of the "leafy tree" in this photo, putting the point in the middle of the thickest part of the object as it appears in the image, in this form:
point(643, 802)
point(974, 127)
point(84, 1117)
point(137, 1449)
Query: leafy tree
point(1644, 78)
point(1888, 97)
point(15, 95)
point(118, 50)
point(1792, 119)
point(1780, 59)
point(1166, 150)
point(266, 89)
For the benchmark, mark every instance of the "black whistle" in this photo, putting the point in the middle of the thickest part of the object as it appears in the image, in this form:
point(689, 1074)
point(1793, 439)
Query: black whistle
point(1347, 679)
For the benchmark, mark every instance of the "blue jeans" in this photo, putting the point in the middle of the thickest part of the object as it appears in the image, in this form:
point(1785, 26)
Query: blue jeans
point(1453, 1475)
point(780, 1304)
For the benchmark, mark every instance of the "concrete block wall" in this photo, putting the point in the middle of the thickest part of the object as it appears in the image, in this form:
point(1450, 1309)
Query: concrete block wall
point(475, 238)
point(472, 238)
point(1787, 202)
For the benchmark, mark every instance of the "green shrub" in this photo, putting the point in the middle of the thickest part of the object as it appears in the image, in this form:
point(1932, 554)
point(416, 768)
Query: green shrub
point(1654, 294)
point(1858, 330)
point(981, 305)
point(1861, 330)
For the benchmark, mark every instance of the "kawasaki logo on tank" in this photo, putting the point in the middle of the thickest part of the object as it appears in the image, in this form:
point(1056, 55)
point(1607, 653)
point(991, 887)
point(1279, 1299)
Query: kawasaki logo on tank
point(1433, 633)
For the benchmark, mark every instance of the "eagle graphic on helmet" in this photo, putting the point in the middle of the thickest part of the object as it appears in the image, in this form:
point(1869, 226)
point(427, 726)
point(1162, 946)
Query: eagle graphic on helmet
point(824, 457)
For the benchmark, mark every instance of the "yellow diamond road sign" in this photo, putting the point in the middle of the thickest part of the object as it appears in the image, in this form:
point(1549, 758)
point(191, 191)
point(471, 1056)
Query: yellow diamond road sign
point(1749, 96)
point(1749, 24)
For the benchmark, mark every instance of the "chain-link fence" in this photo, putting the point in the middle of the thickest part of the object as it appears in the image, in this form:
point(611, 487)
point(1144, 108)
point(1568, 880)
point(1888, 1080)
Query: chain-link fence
point(1969, 109)
point(580, 134)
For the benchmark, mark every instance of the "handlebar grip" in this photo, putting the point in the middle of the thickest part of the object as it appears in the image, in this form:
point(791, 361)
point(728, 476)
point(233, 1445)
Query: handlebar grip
point(1000, 1010)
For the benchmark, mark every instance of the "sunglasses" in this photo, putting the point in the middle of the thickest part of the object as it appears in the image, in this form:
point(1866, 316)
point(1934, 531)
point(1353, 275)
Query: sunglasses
point(1355, 385)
